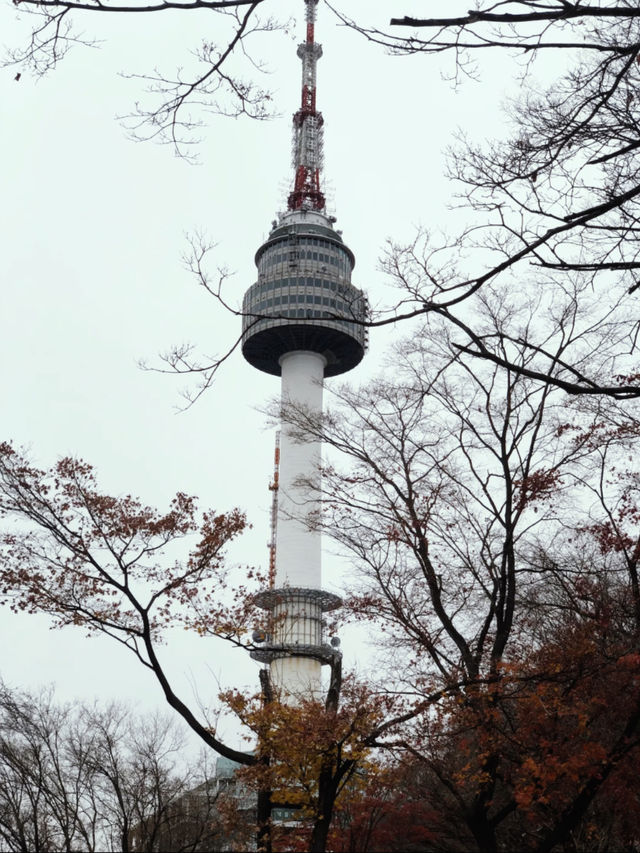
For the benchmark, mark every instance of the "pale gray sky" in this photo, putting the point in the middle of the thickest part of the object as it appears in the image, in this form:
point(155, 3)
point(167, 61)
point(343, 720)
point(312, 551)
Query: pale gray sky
point(92, 229)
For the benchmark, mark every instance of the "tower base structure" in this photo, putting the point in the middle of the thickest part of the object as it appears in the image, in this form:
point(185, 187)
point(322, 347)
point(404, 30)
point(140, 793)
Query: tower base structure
point(295, 647)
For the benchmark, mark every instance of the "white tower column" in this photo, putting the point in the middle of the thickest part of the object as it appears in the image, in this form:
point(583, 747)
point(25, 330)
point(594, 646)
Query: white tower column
point(298, 621)
point(298, 549)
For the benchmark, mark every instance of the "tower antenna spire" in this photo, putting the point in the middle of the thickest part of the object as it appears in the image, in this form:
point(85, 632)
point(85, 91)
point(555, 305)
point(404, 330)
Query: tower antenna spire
point(307, 126)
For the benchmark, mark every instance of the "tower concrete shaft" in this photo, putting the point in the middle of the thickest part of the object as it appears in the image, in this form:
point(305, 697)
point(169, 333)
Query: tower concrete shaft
point(298, 544)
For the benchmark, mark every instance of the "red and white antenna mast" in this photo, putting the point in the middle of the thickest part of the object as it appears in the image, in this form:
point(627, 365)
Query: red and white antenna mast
point(273, 487)
point(307, 126)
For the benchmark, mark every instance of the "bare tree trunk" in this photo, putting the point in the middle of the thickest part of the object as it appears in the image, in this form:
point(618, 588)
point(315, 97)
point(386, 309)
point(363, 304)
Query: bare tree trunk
point(263, 838)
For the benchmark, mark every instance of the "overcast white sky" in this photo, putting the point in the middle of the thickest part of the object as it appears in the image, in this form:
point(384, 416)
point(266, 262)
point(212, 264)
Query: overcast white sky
point(92, 232)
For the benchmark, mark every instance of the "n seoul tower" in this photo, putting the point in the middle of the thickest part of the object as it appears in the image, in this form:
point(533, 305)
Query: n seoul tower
point(302, 321)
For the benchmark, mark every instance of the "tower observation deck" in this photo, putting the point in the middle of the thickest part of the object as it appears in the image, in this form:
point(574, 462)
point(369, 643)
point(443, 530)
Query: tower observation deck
point(304, 299)
point(303, 320)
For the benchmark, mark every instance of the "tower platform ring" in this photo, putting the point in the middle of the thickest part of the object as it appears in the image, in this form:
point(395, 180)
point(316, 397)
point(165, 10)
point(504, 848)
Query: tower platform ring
point(268, 340)
point(269, 598)
point(324, 654)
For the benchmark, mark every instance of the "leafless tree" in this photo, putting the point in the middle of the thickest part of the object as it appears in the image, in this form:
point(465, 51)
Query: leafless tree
point(551, 209)
point(452, 476)
point(454, 467)
point(87, 778)
point(559, 195)
point(220, 76)
point(556, 198)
